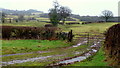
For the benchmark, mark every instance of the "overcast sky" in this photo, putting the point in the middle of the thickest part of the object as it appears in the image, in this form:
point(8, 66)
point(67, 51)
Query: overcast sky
point(81, 7)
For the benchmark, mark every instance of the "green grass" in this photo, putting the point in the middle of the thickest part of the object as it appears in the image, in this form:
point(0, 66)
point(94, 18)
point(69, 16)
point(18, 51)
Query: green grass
point(25, 23)
point(36, 63)
point(19, 46)
point(93, 27)
point(97, 60)
point(77, 28)
point(43, 19)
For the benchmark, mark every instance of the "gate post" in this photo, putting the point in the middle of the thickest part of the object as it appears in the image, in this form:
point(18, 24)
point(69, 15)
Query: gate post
point(70, 36)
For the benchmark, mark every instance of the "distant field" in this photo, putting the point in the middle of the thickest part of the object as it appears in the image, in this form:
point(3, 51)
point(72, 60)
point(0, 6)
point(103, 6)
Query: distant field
point(31, 23)
point(93, 27)
point(77, 28)
point(43, 19)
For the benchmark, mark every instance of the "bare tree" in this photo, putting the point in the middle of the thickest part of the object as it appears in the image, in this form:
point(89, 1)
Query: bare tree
point(54, 14)
point(58, 13)
point(107, 14)
point(64, 12)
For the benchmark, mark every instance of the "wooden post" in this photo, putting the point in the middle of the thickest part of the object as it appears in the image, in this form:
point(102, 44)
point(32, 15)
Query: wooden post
point(10, 20)
point(70, 36)
point(88, 39)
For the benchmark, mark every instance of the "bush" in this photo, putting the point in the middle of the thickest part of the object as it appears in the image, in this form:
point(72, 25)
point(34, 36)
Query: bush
point(6, 31)
point(48, 25)
point(72, 23)
point(62, 35)
point(86, 22)
point(42, 33)
point(17, 32)
point(112, 44)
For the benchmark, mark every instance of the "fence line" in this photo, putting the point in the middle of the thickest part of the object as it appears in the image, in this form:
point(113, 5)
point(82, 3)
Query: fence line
point(90, 36)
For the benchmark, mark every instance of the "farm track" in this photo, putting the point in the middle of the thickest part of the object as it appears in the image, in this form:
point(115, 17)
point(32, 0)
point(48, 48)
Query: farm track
point(42, 58)
point(62, 61)
point(66, 61)
point(24, 53)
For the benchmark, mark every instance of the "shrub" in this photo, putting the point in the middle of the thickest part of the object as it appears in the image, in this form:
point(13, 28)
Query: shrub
point(6, 31)
point(72, 23)
point(62, 35)
point(48, 25)
point(42, 33)
point(10, 32)
point(112, 44)
point(86, 22)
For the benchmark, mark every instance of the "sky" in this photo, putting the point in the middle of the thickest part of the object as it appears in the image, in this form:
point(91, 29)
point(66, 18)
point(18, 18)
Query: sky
point(81, 7)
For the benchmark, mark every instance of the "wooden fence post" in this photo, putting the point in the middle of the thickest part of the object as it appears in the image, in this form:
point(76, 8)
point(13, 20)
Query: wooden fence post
point(88, 39)
point(70, 36)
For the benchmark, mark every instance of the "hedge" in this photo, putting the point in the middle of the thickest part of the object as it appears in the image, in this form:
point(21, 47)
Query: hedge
point(18, 32)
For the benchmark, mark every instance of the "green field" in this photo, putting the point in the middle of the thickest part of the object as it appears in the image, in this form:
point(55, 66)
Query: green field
point(77, 28)
point(31, 23)
point(26, 46)
point(93, 27)
point(43, 19)
point(22, 46)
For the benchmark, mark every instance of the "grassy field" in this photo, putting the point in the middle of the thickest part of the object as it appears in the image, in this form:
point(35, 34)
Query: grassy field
point(94, 27)
point(22, 46)
point(43, 19)
point(31, 23)
point(77, 28)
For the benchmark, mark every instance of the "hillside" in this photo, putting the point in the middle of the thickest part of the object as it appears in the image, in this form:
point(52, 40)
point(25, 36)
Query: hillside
point(17, 12)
